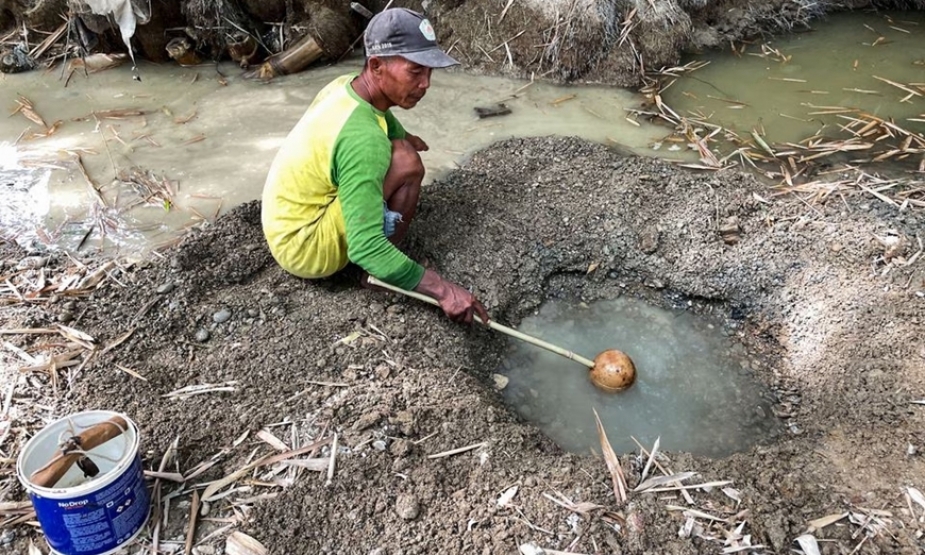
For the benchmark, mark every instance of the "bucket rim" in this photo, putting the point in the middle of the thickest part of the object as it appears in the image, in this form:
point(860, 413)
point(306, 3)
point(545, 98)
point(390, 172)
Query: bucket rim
point(55, 492)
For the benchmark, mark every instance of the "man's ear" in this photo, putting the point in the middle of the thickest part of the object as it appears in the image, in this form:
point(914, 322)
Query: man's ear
point(375, 64)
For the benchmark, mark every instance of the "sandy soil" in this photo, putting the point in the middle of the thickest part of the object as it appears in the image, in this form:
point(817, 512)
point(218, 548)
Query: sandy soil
point(811, 288)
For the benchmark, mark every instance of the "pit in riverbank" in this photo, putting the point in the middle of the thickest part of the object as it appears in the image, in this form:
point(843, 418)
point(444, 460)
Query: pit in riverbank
point(695, 386)
point(522, 222)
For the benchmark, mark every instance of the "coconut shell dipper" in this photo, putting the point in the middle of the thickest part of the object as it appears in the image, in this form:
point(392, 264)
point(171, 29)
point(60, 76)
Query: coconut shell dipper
point(91, 438)
point(610, 371)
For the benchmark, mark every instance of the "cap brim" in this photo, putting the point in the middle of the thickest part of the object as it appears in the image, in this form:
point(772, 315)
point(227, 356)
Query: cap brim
point(430, 58)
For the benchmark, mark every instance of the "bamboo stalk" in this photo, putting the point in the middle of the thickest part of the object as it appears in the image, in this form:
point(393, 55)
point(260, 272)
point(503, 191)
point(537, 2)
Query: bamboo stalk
point(493, 325)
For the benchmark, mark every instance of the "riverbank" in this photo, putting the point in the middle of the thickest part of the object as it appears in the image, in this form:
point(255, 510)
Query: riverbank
point(831, 293)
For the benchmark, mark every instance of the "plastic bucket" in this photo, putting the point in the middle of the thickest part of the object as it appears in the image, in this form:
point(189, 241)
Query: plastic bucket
point(88, 516)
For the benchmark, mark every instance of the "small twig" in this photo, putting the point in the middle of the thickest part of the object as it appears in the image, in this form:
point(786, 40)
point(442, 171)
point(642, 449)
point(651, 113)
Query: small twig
point(333, 461)
point(425, 438)
point(191, 531)
point(457, 451)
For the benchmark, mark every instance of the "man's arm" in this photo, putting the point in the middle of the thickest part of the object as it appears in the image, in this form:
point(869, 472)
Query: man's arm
point(397, 131)
point(361, 161)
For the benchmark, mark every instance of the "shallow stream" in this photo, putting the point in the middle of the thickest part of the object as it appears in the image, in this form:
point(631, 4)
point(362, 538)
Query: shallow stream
point(695, 387)
point(213, 139)
point(782, 87)
point(210, 135)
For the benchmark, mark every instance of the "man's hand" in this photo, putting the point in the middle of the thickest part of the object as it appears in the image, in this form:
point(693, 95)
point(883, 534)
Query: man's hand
point(417, 142)
point(458, 303)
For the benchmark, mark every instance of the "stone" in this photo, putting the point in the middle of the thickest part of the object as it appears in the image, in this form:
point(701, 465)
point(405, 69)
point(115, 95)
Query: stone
point(368, 420)
point(405, 421)
point(500, 381)
point(379, 551)
point(407, 506)
point(221, 316)
point(7, 537)
point(166, 288)
point(32, 263)
point(251, 313)
point(730, 231)
point(383, 371)
point(648, 243)
point(401, 448)
point(379, 445)
point(401, 465)
point(202, 335)
point(655, 283)
point(65, 317)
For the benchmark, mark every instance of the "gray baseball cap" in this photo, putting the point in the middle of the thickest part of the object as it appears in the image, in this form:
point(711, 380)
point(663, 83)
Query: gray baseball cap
point(405, 33)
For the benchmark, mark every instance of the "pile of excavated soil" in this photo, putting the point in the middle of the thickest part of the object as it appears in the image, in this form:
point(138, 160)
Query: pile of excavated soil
point(523, 221)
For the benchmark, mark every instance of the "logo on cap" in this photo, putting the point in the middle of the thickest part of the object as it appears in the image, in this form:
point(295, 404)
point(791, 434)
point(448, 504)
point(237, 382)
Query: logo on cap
point(428, 30)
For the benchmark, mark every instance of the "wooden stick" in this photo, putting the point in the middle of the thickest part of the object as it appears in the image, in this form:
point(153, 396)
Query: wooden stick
point(493, 325)
point(89, 439)
point(191, 531)
point(457, 451)
point(331, 462)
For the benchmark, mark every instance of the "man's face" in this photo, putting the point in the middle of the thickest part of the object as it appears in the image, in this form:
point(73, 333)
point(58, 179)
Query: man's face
point(402, 81)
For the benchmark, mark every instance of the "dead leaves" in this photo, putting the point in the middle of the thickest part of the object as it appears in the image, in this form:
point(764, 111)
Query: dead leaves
point(239, 543)
point(613, 463)
point(26, 108)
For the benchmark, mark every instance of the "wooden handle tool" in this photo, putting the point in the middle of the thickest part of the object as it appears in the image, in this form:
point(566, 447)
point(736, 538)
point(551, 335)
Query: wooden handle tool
point(92, 437)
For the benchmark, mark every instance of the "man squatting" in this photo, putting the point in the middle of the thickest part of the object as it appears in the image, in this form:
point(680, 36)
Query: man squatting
point(344, 186)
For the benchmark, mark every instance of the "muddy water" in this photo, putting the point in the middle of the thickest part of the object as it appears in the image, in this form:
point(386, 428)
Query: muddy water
point(694, 389)
point(779, 87)
point(213, 138)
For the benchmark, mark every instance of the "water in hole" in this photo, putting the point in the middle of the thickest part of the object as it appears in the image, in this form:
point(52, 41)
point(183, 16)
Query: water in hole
point(695, 387)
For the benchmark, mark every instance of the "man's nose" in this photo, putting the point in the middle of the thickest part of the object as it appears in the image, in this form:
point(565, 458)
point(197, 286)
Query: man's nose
point(425, 81)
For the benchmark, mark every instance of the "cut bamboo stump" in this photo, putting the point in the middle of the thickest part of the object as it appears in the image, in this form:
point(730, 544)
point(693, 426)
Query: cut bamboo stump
point(330, 33)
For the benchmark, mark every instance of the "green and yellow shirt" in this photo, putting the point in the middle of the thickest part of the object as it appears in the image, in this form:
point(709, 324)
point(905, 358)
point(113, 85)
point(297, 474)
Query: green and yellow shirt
point(322, 202)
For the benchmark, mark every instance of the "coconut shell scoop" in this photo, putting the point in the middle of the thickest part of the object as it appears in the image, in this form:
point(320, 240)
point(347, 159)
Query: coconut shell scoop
point(610, 371)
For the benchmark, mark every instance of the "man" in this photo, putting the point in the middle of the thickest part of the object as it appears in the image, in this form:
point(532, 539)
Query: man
point(346, 182)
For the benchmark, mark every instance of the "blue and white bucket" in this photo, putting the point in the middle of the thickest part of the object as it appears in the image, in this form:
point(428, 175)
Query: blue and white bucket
point(88, 516)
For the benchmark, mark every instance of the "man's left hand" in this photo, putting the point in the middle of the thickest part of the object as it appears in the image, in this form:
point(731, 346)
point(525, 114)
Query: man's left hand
point(417, 142)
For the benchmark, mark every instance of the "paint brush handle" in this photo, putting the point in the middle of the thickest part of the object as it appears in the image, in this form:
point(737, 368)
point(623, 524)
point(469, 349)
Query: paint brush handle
point(492, 324)
point(89, 439)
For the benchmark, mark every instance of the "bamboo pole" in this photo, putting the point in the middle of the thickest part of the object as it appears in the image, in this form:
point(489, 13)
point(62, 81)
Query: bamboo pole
point(493, 325)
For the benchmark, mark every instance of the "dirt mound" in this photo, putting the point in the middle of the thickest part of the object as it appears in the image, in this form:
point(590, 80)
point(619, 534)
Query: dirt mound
point(525, 220)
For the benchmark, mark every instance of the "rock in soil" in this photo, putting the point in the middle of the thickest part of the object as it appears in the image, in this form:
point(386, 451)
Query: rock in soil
point(221, 316)
point(166, 288)
point(407, 507)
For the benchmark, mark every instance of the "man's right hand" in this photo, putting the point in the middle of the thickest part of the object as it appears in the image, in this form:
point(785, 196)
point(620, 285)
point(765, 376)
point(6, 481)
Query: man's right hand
point(458, 303)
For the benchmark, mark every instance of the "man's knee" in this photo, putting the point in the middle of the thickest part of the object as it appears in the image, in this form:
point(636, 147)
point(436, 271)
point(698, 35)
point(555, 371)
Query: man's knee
point(406, 160)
